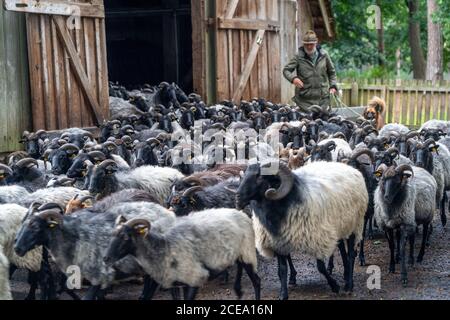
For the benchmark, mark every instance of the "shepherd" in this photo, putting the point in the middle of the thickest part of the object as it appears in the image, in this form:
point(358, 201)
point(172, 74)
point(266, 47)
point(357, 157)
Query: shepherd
point(313, 74)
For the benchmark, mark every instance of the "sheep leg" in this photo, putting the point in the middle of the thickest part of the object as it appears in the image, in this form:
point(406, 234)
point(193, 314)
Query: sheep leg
point(443, 215)
point(150, 287)
point(330, 265)
point(430, 231)
point(351, 255)
point(237, 282)
point(424, 240)
point(91, 294)
point(344, 257)
point(282, 274)
point(370, 220)
point(398, 236)
point(323, 270)
point(362, 258)
point(101, 294)
point(191, 293)
point(411, 239)
point(225, 276)
point(46, 279)
point(33, 279)
point(293, 275)
point(404, 274)
point(175, 293)
point(391, 242)
point(256, 281)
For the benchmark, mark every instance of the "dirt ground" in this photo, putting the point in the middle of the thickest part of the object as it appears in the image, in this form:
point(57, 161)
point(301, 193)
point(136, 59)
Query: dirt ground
point(428, 280)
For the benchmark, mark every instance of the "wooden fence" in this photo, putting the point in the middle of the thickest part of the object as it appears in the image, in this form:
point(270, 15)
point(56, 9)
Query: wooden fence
point(410, 102)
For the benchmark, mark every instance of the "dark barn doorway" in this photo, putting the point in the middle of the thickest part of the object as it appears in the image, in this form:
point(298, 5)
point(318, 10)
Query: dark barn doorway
point(149, 41)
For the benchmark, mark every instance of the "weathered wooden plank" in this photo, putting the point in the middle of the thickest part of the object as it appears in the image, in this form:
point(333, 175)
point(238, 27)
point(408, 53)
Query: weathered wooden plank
point(231, 9)
point(247, 24)
point(78, 69)
point(248, 65)
point(199, 31)
point(56, 7)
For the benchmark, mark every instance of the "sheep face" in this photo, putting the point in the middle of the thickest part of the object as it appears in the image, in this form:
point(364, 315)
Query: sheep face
point(323, 152)
point(101, 178)
point(62, 158)
point(434, 134)
point(33, 233)
point(393, 182)
point(145, 154)
point(422, 154)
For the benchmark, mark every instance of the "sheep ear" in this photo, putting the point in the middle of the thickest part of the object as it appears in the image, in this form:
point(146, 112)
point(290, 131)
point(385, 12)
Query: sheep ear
point(434, 148)
point(378, 173)
point(120, 220)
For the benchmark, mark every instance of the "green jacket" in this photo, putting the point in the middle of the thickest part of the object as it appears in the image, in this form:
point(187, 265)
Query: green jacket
point(317, 79)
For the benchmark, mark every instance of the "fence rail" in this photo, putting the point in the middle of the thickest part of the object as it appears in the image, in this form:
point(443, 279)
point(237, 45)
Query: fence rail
point(410, 102)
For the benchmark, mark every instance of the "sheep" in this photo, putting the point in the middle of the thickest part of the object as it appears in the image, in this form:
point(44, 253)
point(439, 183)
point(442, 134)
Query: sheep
point(119, 108)
point(304, 210)
point(82, 239)
point(5, 174)
point(198, 198)
point(105, 180)
point(333, 147)
point(404, 198)
point(12, 194)
point(393, 127)
point(60, 195)
point(11, 216)
point(437, 124)
point(5, 290)
point(435, 158)
point(28, 175)
point(194, 248)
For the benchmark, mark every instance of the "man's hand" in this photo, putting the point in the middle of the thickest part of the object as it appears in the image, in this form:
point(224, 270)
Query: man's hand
point(333, 91)
point(298, 83)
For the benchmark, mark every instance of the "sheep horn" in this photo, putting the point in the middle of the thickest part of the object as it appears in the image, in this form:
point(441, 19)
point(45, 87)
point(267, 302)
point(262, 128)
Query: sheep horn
point(85, 198)
point(404, 167)
point(193, 181)
point(393, 152)
point(191, 190)
point(51, 206)
point(287, 183)
point(69, 147)
point(97, 155)
point(315, 108)
point(65, 135)
point(66, 180)
point(138, 221)
point(428, 142)
point(53, 215)
point(339, 135)
point(5, 169)
point(362, 151)
point(26, 162)
point(109, 144)
point(88, 134)
point(153, 140)
point(40, 132)
point(107, 163)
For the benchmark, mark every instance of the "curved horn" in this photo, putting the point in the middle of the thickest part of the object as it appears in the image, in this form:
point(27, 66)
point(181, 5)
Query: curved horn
point(315, 108)
point(412, 134)
point(25, 162)
point(428, 142)
point(339, 135)
point(88, 134)
point(393, 152)
point(362, 151)
point(51, 206)
point(109, 144)
point(404, 167)
point(153, 140)
point(6, 169)
point(40, 132)
point(138, 221)
point(85, 198)
point(191, 190)
point(51, 214)
point(287, 182)
point(97, 155)
point(69, 147)
point(107, 163)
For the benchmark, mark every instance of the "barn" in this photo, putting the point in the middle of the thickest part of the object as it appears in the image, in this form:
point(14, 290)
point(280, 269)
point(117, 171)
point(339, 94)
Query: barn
point(57, 56)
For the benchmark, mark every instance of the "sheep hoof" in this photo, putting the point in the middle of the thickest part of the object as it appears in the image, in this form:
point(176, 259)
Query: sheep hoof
point(420, 258)
point(404, 283)
point(362, 262)
point(335, 288)
point(283, 296)
point(292, 280)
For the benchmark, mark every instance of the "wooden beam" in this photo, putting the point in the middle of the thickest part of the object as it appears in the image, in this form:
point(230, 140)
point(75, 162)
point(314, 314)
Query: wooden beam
point(229, 13)
point(326, 18)
point(248, 65)
point(77, 65)
point(248, 24)
point(56, 7)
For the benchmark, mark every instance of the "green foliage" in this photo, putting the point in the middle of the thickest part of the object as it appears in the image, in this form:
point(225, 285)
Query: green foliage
point(355, 52)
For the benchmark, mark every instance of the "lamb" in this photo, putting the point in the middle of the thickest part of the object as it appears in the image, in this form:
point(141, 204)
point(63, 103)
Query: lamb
point(404, 198)
point(303, 210)
point(82, 239)
point(106, 179)
point(191, 250)
point(329, 149)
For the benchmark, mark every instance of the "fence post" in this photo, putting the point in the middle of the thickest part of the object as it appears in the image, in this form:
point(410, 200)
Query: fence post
point(354, 94)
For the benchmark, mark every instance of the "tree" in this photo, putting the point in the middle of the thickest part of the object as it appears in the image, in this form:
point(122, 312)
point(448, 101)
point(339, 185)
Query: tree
point(435, 57)
point(417, 55)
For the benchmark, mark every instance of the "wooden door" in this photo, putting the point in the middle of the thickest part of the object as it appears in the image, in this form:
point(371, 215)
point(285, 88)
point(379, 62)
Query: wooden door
point(248, 49)
point(67, 62)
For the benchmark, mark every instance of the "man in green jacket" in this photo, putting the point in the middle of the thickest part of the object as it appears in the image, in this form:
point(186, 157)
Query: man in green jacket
point(313, 74)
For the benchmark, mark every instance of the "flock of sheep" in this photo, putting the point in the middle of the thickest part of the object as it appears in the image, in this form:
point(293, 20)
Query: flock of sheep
point(145, 200)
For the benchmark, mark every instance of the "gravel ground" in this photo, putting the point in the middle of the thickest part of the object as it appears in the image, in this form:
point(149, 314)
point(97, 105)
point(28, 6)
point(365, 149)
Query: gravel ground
point(428, 280)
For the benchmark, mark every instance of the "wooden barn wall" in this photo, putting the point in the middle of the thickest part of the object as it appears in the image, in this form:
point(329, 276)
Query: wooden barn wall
point(58, 100)
point(14, 83)
point(288, 18)
point(233, 47)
